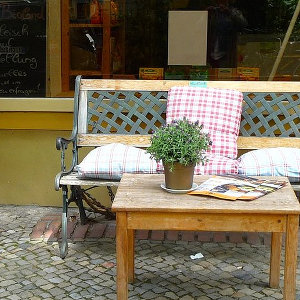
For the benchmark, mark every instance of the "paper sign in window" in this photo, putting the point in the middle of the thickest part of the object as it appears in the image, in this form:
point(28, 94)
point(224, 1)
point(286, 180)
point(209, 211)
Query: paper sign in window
point(187, 38)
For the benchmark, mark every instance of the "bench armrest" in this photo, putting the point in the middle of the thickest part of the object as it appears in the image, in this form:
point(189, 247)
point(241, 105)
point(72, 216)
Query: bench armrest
point(62, 145)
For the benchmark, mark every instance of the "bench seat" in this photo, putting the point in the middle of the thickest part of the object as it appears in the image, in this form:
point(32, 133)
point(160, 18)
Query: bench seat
point(74, 179)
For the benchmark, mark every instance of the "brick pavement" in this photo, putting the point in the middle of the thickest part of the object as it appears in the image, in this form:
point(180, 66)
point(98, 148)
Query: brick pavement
point(31, 268)
point(49, 226)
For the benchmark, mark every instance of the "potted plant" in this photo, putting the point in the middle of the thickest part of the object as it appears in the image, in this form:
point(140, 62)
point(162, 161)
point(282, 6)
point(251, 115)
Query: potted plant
point(180, 145)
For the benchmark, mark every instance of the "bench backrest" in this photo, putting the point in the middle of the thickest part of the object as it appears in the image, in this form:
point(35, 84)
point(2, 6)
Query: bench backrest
point(128, 111)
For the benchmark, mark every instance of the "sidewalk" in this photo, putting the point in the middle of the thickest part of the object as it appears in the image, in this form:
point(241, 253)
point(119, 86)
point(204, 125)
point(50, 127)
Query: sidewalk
point(32, 269)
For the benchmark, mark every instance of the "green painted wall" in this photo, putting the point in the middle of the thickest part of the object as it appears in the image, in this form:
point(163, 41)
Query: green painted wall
point(29, 162)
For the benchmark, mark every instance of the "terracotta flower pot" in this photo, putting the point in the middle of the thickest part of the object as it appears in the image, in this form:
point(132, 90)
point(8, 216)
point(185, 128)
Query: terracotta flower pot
point(181, 178)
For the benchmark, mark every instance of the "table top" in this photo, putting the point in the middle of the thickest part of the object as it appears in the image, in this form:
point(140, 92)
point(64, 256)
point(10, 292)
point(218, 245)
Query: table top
point(142, 192)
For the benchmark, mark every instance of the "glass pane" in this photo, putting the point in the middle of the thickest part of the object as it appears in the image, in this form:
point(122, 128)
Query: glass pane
point(86, 48)
point(130, 39)
point(243, 39)
point(23, 48)
point(92, 39)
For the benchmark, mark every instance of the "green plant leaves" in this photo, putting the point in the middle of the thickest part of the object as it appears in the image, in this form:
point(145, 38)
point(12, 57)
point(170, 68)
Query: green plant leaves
point(180, 141)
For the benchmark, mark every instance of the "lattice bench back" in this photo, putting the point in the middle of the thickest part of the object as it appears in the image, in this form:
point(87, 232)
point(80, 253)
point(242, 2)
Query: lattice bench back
point(133, 109)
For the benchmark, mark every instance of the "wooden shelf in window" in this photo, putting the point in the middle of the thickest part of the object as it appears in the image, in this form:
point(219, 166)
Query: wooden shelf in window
point(85, 25)
point(85, 72)
point(74, 25)
point(111, 30)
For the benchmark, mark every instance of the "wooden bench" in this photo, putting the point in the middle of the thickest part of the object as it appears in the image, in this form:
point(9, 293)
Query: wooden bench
point(128, 111)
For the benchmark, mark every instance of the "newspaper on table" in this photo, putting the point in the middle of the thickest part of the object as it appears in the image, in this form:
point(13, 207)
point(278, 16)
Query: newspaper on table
point(237, 187)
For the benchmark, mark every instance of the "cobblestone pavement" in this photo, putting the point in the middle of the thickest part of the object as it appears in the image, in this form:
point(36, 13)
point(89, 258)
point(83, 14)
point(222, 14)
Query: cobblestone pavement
point(30, 268)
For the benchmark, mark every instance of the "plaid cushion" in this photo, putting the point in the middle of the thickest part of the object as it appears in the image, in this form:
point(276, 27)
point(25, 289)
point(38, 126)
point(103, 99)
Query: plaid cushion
point(217, 165)
point(111, 161)
point(281, 161)
point(219, 110)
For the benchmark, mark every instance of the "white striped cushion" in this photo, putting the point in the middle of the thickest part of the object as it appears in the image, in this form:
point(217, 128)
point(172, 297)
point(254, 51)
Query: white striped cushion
point(111, 161)
point(281, 161)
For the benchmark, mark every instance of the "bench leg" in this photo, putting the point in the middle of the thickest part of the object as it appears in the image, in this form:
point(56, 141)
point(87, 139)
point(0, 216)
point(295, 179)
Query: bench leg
point(64, 223)
point(81, 212)
point(77, 196)
point(110, 193)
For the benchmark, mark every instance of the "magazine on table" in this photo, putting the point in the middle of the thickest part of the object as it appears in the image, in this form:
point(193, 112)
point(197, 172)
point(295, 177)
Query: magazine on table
point(237, 187)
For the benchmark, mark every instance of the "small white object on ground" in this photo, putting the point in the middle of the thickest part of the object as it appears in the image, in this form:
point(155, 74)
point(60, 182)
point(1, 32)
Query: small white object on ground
point(196, 256)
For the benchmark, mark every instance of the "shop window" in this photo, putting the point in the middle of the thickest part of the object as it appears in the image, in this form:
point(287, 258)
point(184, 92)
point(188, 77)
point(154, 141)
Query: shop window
point(242, 43)
point(131, 39)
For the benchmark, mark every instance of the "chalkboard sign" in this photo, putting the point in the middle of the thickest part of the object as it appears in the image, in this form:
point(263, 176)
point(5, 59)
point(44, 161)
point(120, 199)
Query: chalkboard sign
point(23, 48)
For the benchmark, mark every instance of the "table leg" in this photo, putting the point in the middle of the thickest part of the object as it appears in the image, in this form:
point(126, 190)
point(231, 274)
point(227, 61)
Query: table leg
point(130, 234)
point(275, 259)
point(122, 256)
point(291, 243)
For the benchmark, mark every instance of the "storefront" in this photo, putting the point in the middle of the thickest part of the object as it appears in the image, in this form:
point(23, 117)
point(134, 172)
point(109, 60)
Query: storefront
point(45, 44)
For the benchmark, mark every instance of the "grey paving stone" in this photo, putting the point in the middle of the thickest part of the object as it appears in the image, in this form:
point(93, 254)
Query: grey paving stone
point(14, 297)
point(33, 269)
point(171, 295)
point(75, 296)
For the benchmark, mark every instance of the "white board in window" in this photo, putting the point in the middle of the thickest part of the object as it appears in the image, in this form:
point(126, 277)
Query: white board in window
point(187, 38)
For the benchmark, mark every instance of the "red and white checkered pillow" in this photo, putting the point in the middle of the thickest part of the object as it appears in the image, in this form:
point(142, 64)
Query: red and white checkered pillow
point(216, 165)
point(219, 110)
point(112, 160)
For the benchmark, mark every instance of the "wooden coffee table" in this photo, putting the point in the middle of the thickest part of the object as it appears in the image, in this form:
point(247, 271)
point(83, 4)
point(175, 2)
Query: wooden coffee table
point(140, 203)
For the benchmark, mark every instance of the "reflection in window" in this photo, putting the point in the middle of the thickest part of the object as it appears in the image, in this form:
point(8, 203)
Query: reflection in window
point(243, 39)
